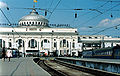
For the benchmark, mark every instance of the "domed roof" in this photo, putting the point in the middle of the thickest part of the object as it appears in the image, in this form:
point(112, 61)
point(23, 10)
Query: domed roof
point(34, 16)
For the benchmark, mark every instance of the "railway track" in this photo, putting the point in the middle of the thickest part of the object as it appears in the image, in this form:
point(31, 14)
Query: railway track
point(60, 68)
point(50, 70)
point(56, 69)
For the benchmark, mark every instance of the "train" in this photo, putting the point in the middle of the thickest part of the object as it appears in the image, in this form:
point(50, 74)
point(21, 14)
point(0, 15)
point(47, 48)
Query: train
point(15, 52)
point(0, 52)
point(103, 53)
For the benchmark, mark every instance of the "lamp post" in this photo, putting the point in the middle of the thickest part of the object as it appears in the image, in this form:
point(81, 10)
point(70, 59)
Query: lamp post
point(13, 39)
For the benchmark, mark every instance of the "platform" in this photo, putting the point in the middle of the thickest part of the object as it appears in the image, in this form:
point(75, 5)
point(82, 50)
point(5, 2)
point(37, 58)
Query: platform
point(21, 67)
point(112, 61)
point(108, 65)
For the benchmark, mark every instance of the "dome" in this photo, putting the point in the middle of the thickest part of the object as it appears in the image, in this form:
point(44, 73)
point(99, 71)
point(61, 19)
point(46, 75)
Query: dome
point(33, 19)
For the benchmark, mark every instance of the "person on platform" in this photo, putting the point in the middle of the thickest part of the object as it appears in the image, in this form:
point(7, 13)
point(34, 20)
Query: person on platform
point(3, 54)
point(9, 54)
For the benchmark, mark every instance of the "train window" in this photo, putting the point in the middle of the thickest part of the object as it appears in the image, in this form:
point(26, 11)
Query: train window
point(118, 52)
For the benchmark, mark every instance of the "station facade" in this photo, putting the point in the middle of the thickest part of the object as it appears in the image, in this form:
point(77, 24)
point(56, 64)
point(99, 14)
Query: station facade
point(35, 36)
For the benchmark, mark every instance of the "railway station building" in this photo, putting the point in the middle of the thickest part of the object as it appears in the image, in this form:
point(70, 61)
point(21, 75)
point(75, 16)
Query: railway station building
point(34, 36)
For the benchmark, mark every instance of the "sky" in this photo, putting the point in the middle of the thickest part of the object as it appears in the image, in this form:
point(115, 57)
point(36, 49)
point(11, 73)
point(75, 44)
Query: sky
point(106, 14)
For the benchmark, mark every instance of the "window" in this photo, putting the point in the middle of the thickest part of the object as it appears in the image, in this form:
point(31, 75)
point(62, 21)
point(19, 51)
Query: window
point(42, 44)
point(73, 45)
point(45, 41)
point(60, 43)
point(0, 43)
point(38, 23)
point(79, 40)
point(3, 43)
point(33, 23)
point(67, 44)
point(90, 37)
point(32, 43)
point(96, 37)
point(20, 42)
point(84, 37)
point(55, 44)
point(29, 22)
point(64, 43)
point(24, 23)
point(10, 44)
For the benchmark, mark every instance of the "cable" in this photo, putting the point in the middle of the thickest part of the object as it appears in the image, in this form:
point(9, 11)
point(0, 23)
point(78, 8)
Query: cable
point(105, 29)
point(51, 4)
point(100, 14)
point(5, 16)
point(96, 8)
point(8, 21)
point(54, 9)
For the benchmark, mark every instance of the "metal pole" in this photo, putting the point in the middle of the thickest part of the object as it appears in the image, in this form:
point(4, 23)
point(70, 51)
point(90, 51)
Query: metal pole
point(38, 49)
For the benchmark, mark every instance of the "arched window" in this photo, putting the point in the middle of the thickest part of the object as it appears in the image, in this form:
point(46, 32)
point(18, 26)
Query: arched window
point(42, 44)
point(45, 41)
point(67, 44)
point(33, 23)
point(20, 43)
point(73, 45)
point(29, 22)
point(60, 43)
point(38, 23)
point(64, 43)
point(9, 44)
point(32, 43)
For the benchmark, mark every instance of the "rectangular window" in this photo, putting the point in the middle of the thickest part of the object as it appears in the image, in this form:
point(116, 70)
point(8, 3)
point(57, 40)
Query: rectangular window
point(10, 44)
point(55, 44)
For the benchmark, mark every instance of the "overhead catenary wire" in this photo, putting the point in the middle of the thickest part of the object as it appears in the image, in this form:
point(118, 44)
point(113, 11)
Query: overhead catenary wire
point(105, 29)
point(100, 14)
point(9, 21)
point(96, 8)
point(51, 4)
point(54, 9)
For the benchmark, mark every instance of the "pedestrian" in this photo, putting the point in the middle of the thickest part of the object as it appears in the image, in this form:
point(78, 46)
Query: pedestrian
point(9, 54)
point(3, 54)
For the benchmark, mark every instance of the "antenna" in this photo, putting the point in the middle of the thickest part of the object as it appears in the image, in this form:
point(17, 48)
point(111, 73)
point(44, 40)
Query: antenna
point(34, 1)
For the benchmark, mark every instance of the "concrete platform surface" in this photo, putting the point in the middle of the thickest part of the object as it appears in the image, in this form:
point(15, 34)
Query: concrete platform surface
point(21, 67)
point(114, 61)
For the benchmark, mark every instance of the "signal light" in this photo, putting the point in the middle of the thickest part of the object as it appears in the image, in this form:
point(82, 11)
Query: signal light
point(75, 15)
point(7, 8)
point(45, 13)
point(111, 16)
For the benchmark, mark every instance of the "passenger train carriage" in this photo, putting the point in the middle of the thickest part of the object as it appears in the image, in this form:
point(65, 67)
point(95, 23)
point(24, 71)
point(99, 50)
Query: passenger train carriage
point(15, 52)
point(105, 53)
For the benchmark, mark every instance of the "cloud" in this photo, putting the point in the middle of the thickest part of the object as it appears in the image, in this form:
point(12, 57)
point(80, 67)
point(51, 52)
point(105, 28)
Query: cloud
point(109, 23)
point(2, 4)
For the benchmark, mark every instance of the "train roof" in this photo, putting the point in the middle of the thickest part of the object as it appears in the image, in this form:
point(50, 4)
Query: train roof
point(108, 48)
